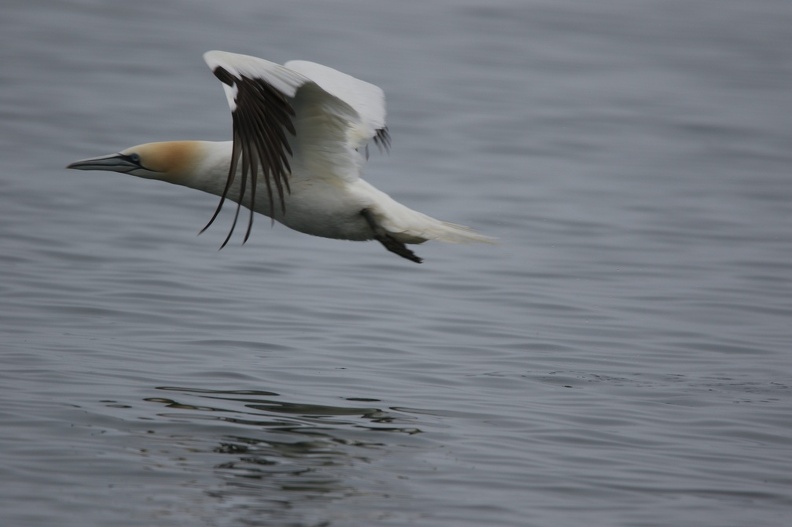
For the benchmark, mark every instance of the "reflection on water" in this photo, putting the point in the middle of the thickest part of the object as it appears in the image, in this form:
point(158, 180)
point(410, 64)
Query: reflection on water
point(282, 452)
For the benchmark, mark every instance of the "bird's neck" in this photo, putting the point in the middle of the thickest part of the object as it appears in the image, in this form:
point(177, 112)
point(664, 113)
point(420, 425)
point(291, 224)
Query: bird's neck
point(208, 169)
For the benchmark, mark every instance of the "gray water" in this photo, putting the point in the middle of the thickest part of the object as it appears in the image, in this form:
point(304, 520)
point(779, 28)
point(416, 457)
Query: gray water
point(620, 358)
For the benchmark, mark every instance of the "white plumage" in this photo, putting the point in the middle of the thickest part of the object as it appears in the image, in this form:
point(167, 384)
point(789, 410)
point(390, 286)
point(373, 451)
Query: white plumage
point(300, 140)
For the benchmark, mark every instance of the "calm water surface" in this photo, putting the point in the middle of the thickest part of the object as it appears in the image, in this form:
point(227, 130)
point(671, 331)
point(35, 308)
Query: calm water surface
point(622, 357)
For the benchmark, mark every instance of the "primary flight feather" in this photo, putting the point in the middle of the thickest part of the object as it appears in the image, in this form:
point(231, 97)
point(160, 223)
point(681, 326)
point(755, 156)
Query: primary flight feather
point(300, 140)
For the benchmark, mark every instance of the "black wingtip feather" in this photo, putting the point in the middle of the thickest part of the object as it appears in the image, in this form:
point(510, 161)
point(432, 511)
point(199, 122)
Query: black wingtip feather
point(260, 121)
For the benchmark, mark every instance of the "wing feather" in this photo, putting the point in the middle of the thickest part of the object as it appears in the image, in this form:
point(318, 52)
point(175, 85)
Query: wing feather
point(302, 113)
point(258, 93)
point(367, 99)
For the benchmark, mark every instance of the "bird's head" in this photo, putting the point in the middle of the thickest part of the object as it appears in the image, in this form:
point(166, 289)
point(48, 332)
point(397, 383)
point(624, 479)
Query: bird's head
point(168, 161)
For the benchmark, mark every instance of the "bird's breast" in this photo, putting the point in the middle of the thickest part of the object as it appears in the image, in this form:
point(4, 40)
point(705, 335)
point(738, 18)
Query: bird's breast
point(320, 208)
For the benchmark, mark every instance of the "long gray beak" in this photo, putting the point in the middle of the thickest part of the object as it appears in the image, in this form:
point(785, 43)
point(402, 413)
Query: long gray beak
point(114, 162)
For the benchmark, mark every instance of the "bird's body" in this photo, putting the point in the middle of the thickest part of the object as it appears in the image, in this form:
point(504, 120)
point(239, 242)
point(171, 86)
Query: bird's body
point(320, 204)
point(301, 134)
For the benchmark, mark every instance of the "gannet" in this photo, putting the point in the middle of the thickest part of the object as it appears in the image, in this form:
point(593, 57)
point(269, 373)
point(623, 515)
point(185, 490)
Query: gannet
point(301, 129)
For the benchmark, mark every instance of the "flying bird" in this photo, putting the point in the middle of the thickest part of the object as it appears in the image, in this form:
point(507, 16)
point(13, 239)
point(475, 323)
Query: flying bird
point(300, 140)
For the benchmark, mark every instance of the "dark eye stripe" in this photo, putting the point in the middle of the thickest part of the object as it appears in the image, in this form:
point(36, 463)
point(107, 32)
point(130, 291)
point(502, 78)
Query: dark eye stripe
point(133, 158)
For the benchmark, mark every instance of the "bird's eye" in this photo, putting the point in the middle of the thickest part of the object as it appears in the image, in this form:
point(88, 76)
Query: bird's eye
point(135, 158)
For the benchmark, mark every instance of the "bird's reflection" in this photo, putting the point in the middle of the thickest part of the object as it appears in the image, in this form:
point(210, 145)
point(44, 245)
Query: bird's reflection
point(281, 454)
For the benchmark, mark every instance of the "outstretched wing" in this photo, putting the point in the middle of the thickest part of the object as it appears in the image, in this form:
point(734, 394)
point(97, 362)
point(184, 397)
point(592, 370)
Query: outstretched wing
point(258, 93)
point(280, 113)
point(365, 98)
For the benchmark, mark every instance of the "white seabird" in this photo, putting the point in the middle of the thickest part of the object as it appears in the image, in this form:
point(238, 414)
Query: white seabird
point(301, 129)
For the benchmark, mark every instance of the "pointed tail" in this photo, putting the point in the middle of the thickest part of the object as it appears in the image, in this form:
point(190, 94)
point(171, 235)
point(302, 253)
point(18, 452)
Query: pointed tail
point(410, 226)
